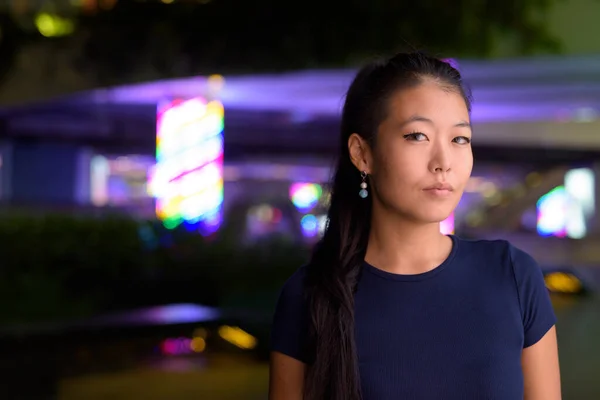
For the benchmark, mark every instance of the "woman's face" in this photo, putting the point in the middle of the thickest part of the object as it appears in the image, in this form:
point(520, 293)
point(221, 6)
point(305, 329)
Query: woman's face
point(422, 158)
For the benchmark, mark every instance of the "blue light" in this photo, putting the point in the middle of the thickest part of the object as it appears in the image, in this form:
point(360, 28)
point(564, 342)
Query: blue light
point(310, 225)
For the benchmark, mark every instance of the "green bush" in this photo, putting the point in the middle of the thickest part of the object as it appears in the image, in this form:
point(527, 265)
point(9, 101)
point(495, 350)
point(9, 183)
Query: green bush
point(55, 266)
point(64, 266)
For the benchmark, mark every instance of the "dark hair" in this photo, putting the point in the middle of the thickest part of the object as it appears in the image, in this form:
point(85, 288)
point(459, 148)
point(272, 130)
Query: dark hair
point(332, 273)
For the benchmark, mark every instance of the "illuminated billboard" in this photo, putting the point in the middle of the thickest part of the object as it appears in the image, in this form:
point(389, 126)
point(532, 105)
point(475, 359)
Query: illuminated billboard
point(187, 180)
point(567, 210)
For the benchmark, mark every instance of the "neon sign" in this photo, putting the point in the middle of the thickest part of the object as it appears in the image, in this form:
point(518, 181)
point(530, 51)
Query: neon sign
point(187, 180)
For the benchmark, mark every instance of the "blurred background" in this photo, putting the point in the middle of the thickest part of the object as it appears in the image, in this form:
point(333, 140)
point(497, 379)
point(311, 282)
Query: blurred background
point(164, 168)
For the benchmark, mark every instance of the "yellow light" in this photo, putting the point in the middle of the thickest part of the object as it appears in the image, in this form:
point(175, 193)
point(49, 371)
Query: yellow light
point(198, 345)
point(53, 26)
point(237, 337)
point(561, 282)
point(216, 108)
point(215, 83)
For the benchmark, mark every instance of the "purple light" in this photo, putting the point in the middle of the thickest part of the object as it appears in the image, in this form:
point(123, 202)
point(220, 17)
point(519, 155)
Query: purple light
point(176, 346)
point(163, 315)
point(453, 63)
point(322, 92)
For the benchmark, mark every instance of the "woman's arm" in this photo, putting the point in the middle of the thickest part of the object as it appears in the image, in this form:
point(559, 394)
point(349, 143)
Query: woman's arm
point(289, 341)
point(286, 377)
point(541, 370)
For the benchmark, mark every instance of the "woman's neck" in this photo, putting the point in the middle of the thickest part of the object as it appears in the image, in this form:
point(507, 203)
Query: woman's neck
point(399, 245)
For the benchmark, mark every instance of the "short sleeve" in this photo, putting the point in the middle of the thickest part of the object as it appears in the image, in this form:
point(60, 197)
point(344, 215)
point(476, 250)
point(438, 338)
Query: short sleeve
point(536, 308)
point(289, 330)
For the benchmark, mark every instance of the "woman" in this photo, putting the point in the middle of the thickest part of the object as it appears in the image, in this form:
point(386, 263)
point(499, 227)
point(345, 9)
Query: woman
point(388, 307)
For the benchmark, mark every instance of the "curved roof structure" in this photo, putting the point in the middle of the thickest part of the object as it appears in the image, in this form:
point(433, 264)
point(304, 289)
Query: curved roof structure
point(526, 90)
point(549, 102)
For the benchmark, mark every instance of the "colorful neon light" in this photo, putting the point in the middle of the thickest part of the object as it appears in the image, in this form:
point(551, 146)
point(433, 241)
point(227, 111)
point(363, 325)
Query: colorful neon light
point(187, 180)
point(552, 212)
point(305, 195)
point(565, 211)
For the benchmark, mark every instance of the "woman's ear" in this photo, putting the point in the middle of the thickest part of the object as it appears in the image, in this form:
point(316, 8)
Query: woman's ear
point(360, 153)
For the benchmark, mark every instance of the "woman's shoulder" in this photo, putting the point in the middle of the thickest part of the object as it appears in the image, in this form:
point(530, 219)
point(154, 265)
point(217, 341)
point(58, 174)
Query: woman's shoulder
point(483, 245)
point(294, 286)
point(499, 252)
point(290, 320)
point(491, 247)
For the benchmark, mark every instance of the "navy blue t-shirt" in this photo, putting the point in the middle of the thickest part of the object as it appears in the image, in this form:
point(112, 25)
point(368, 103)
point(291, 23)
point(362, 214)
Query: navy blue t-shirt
point(455, 332)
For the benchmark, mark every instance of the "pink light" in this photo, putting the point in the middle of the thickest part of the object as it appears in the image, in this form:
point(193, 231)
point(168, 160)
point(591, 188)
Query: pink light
point(176, 346)
point(447, 225)
point(169, 346)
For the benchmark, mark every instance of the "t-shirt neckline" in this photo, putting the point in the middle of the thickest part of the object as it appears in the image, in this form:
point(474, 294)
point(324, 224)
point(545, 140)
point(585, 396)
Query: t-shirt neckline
point(416, 277)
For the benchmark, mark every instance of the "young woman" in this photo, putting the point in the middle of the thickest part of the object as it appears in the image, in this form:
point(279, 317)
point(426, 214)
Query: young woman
point(388, 308)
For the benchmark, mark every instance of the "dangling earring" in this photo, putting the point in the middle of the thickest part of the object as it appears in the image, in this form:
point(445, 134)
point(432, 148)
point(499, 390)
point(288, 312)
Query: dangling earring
point(363, 185)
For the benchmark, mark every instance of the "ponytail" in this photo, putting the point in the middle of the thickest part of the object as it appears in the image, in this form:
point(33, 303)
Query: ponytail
point(332, 276)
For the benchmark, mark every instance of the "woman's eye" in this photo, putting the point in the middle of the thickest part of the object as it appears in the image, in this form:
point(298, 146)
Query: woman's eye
point(417, 136)
point(462, 140)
